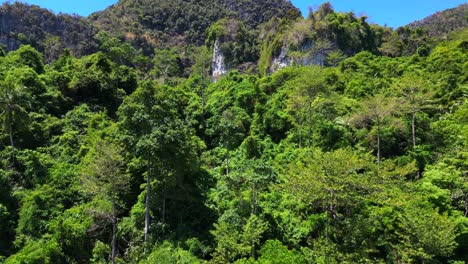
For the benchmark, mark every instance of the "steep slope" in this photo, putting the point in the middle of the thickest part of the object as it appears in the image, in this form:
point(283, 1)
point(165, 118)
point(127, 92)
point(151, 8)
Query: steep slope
point(444, 22)
point(146, 24)
point(324, 38)
point(46, 31)
point(180, 22)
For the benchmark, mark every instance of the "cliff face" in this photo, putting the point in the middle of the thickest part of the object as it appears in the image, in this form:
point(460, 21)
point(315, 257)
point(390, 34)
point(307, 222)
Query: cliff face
point(281, 61)
point(307, 55)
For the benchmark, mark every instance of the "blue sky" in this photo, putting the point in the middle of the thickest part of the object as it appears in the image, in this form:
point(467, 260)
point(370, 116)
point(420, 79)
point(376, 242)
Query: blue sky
point(393, 13)
point(81, 7)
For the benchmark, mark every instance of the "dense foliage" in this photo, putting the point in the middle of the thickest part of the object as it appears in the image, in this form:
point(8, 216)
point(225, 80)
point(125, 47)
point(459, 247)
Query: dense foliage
point(180, 22)
point(442, 23)
point(123, 158)
point(46, 31)
point(324, 37)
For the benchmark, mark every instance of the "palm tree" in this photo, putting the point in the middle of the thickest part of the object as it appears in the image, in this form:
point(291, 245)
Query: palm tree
point(12, 107)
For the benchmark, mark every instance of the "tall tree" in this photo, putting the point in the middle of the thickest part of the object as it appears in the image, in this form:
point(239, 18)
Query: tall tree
point(12, 107)
point(414, 90)
point(103, 178)
point(201, 66)
point(155, 127)
point(332, 182)
point(305, 90)
point(376, 110)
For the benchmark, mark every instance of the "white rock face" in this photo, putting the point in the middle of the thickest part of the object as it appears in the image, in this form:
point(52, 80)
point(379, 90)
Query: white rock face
point(317, 59)
point(309, 58)
point(281, 61)
point(218, 66)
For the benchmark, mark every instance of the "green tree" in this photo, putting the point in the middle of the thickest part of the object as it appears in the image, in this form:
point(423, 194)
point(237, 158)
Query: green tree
point(201, 67)
point(274, 252)
point(425, 234)
point(331, 182)
point(228, 235)
point(376, 109)
point(103, 178)
point(154, 127)
point(167, 64)
point(13, 107)
point(28, 56)
point(414, 90)
point(118, 51)
point(253, 232)
point(304, 94)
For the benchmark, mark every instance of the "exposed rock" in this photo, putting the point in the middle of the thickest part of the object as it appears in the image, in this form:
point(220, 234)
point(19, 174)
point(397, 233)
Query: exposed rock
point(281, 61)
point(309, 55)
point(218, 65)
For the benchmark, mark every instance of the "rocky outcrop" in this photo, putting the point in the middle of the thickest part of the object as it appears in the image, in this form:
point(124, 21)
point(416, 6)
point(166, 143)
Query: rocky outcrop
point(308, 54)
point(281, 61)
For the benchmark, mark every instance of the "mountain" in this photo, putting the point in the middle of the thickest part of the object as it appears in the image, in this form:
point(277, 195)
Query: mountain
point(182, 22)
point(145, 23)
point(132, 154)
point(444, 22)
point(47, 32)
point(250, 34)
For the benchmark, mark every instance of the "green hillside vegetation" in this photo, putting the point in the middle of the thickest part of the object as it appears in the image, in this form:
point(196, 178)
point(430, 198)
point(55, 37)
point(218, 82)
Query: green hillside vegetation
point(324, 33)
point(442, 23)
point(149, 23)
point(121, 157)
point(47, 32)
point(264, 25)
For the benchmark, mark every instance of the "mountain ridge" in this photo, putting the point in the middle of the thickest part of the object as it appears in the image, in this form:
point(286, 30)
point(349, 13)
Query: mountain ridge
point(181, 22)
point(443, 22)
point(149, 25)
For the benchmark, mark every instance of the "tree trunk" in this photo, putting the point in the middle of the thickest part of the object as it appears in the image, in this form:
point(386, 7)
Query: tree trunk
point(10, 128)
point(203, 93)
point(253, 252)
point(12, 143)
point(301, 125)
point(227, 163)
point(327, 216)
point(466, 207)
point(413, 128)
point(114, 235)
point(164, 208)
point(378, 143)
point(309, 136)
point(300, 136)
point(241, 199)
point(255, 200)
point(147, 204)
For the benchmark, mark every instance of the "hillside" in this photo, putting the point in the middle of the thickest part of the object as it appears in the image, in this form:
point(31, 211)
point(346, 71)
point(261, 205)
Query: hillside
point(164, 23)
point(145, 24)
point(48, 32)
point(444, 22)
point(323, 139)
point(363, 162)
